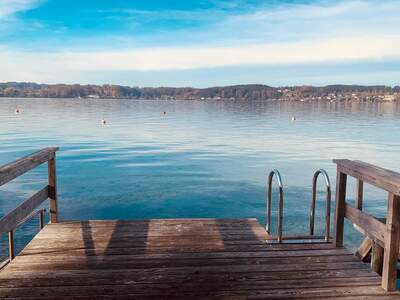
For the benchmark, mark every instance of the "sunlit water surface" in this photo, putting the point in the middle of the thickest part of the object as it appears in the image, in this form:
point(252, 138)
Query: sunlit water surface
point(200, 159)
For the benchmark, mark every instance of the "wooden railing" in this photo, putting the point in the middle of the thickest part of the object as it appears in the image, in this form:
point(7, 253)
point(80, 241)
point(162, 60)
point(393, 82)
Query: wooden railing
point(26, 210)
point(385, 236)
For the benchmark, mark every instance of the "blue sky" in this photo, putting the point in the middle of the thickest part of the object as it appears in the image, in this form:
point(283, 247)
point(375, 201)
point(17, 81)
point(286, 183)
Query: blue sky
point(200, 43)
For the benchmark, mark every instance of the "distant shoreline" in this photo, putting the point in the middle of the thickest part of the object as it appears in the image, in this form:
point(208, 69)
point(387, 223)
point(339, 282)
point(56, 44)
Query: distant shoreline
point(205, 100)
point(330, 93)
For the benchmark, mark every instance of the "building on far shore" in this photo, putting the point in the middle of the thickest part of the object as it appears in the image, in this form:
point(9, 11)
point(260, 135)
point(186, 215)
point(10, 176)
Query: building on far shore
point(93, 96)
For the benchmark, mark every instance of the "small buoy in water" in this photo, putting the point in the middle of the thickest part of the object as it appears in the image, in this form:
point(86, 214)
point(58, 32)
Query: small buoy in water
point(103, 122)
point(17, 110)
point(293, 118)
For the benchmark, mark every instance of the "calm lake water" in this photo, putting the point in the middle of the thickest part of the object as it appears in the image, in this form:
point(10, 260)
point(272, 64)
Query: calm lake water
point(200, 159)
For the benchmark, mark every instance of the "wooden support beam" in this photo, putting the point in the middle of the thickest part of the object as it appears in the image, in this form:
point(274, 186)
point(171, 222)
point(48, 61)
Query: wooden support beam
point(389, 271)
point(341, 181)
point(377, 258)
point(53, 190)
point(364, 249)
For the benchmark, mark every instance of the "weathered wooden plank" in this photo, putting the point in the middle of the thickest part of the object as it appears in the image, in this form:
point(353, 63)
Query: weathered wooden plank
point(117, 233)
point(190, 286)
point(379, 177)
point(154, 236)
point(172, 248)
point(152, 240)
point(211, 297)
point(136, 260)
point(246, 265)
point(180, 245)
point(121, 253)
point(220, 281)
point(51, 230)
point(227, 266)
point(391, 255)
point(173, 274)
point(107, 277)
point(12, 219)
point(364, 250)
point(372, 227)
point(271, 290)
point(143, 241)
point(14, 169)
point(220, 223)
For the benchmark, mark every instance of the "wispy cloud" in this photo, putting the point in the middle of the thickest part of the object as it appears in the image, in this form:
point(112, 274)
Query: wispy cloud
point(322, 19)
point(8, 8)
point(155, 59)
point(264, 22)
point(10, 19)
point(324, 32)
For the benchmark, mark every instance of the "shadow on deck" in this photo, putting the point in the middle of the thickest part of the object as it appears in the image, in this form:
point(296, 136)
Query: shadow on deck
point(207, 258)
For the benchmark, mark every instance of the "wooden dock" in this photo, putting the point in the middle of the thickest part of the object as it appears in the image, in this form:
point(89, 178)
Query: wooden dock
point(201, 258)
point(208, 258)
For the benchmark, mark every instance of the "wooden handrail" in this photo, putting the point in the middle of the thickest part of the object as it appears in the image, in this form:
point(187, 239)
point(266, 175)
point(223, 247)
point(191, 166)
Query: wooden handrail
point(12, 219)
point(385, 236)
point(371, 226)
point(377, 176)
point(19, 167)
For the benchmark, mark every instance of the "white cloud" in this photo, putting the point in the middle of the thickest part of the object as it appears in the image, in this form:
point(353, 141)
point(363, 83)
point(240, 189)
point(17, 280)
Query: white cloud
point(154, 59)
point(10, 7)
point(253, 24)
point(322, 19)
point(345, 31)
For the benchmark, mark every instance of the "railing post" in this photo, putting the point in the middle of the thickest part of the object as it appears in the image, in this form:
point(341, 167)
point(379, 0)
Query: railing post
point(389, 271)
point(340, 201)
point(359, 194)
point(11, 250)
point(41, 219)
point(53, 188)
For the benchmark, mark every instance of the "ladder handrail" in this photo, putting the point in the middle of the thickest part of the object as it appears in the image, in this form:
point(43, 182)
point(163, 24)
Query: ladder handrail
point(280, 203)
point(328, 202)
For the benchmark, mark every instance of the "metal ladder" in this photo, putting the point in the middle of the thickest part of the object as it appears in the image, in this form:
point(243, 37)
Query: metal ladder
point(279, 238)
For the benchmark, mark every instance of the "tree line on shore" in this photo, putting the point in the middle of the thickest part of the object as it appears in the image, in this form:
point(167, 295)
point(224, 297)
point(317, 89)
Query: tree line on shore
point(237, 92)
